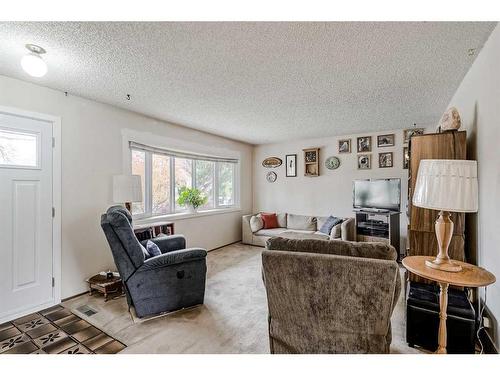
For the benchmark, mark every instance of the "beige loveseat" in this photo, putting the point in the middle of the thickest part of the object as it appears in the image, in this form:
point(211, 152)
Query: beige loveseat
point(297, 227)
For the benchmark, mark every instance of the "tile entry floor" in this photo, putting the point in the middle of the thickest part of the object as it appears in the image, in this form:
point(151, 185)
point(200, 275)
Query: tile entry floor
point(55, 331)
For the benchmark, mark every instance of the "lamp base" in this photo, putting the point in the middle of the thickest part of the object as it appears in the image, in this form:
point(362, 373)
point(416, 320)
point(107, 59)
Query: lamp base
point(444, 231)
point(447, 266)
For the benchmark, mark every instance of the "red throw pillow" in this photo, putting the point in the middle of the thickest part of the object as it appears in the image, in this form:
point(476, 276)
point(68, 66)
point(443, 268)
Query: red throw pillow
point(270, 220)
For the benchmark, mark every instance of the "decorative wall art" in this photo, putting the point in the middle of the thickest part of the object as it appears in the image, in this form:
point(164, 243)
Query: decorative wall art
point(365, 144)
point(344, 146)
point(311, 162)
point(271, 176)
point(332, 162)
point(406, 158)
point(408, 133)
point(291, 165)
point(385, 160)
point(386, 140)
point(364, 161)
point(272, 162)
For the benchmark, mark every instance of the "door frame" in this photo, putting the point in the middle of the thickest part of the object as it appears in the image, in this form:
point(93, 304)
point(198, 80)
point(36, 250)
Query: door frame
point(55, 121)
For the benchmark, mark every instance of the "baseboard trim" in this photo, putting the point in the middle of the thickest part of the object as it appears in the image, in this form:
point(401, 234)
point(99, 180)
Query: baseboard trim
point(76, 295)
point(488, 345)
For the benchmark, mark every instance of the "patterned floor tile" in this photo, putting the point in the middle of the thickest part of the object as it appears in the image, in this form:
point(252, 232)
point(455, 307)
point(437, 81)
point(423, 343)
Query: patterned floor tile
point(8, 333)
point(5, 326)
point(66, 320)
point(60, 346)
point(42, 330)
point(97, 341)
point(74, 327)
point(27, 347)
point(110, 348)
point(32, 324)
point(51, 310)
point(55, 330)
point(50, 338)
point(86, 334)
point(77, 349)
point(13, 342)
point(26, 319)
point(59, 314)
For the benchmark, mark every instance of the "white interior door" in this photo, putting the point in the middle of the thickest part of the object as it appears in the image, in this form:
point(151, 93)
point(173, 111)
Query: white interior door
point(26, 201)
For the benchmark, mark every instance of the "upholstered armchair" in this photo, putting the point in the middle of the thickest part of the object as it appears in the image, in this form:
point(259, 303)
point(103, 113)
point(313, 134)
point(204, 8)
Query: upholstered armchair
point(330, 296)
point(167, 282)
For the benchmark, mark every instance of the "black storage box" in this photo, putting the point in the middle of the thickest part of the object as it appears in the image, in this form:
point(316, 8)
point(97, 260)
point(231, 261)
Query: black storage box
point(422, 319)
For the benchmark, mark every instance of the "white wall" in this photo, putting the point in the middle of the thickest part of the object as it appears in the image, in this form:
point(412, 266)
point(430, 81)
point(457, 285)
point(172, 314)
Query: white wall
point(478, 101)
point(331, 192)
point(91, 154)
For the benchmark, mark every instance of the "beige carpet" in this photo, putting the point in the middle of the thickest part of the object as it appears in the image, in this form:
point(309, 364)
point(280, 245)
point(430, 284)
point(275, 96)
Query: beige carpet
point(232, 320)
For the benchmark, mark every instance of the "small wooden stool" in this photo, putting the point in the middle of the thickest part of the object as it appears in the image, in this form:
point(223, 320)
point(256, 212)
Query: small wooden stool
point(105, 286)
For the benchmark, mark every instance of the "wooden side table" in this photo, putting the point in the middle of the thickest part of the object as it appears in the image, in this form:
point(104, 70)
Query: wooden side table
point(104, 285)
point(470, 276)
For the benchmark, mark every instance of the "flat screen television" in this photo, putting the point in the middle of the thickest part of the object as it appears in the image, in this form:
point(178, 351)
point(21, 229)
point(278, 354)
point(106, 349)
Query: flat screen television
point(380, 194)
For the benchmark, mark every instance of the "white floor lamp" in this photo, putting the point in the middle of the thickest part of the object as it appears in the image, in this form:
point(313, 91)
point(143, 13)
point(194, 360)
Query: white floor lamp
point(127, 189)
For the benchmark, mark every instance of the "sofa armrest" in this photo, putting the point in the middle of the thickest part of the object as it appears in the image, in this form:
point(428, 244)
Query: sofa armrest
point(246, 231)
point(168, 243)
point(173, 257)
point(348, 230)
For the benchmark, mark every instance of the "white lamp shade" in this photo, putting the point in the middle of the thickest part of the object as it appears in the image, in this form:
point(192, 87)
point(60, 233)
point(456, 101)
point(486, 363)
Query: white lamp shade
point(447, 185)
point(127, 188)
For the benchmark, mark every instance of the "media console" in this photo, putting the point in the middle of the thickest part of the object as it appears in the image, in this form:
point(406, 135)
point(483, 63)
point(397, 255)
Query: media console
point(378, 226)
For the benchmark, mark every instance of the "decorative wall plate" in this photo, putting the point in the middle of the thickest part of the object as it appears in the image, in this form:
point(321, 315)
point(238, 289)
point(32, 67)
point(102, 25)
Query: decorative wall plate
point(332, 162)
point(272, 162)
point(271, 176)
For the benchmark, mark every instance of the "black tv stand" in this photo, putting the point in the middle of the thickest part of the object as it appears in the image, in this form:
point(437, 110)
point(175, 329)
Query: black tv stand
point(378, 226)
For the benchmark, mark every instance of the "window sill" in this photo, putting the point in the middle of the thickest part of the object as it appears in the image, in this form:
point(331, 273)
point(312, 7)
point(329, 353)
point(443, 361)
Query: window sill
point(185, 215)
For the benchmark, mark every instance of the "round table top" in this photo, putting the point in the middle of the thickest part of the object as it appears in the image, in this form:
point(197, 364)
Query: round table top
point(469, 276)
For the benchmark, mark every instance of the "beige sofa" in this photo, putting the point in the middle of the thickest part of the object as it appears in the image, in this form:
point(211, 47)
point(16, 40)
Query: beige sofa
point(296, 227)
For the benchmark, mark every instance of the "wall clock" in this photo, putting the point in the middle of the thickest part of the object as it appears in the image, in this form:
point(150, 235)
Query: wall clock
point(332, 162)
point(271, 176)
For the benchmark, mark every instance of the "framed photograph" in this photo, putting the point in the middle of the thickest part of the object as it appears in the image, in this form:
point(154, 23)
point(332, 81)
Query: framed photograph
point(344, 146)
point(406, 158)
point(291, 165)
point(365, 144)
point(385, 160)
point(386, 140)
point(408, 133)
point(365, 161)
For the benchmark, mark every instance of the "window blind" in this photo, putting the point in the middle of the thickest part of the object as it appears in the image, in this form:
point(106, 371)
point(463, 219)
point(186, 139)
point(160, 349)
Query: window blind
point(178, 154)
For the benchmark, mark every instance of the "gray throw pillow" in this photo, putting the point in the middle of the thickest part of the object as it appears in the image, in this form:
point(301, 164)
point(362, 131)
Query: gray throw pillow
point(329, 223)
point(152, 249)
point(281, 220)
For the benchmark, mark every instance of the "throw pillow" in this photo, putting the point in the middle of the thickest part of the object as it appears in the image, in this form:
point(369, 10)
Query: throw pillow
point(270, 221)
point(336, 231)
point(144, 252)
point(281, 220)
point(152, 248)
point(256, 223)
point(329, 223)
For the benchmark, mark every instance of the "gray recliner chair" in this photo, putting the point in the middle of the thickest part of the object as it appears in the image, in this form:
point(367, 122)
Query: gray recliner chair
point(167, 282)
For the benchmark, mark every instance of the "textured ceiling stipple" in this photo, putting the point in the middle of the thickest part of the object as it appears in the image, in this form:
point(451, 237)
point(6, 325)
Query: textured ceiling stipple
point(257, 82)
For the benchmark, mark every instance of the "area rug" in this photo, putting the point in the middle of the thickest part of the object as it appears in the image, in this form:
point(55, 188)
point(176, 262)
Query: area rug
point(55, 331)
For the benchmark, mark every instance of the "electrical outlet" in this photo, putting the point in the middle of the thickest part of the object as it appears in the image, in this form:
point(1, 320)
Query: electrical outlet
point(486, 322)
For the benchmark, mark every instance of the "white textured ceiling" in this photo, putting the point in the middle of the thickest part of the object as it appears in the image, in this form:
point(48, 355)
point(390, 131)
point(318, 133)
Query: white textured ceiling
point(257, 82)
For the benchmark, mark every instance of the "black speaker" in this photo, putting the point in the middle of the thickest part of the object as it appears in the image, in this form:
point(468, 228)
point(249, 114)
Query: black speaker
point(422, 319)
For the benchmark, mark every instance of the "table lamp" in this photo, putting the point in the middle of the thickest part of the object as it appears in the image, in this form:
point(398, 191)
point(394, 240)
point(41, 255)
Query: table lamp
point(127, 189)
point(446, 185)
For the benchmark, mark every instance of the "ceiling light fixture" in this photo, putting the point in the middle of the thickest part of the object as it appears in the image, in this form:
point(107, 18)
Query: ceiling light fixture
point(33, 63)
